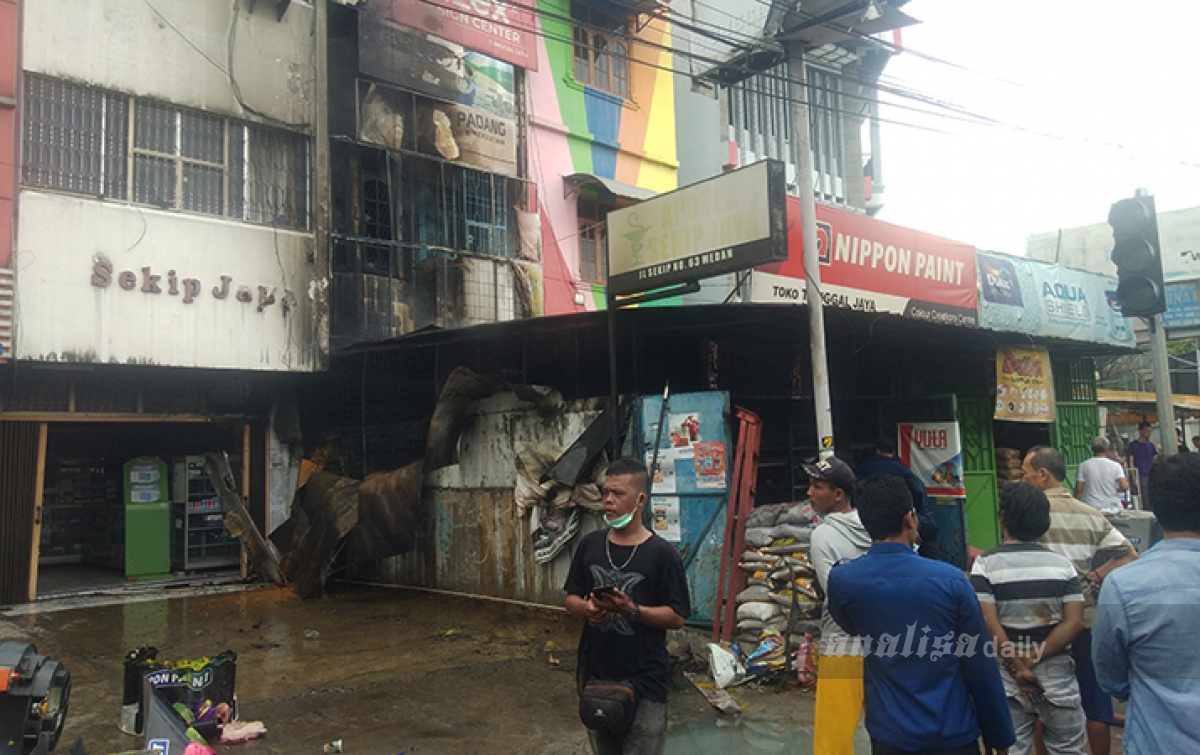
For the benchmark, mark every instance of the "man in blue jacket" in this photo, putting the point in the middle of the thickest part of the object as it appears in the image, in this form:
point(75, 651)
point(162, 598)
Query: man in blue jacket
point(930, 678)
point(885, 462)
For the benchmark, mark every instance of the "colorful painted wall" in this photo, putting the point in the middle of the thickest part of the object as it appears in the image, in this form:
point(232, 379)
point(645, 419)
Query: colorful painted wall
point(578, 129)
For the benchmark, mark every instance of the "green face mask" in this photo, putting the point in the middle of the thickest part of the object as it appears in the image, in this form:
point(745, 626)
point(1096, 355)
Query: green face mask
point(620, 522)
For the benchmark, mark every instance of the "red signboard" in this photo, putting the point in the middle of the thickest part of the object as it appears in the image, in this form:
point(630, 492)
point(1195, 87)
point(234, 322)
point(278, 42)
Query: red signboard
point(503, 29)
point(871, 265)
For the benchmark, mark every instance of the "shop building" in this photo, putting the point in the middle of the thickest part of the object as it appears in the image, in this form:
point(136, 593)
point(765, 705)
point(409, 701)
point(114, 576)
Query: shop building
point(166, 276)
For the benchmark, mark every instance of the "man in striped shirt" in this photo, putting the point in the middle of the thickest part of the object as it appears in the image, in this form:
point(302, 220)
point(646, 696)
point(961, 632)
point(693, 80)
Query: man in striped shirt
point(1080, 533)
point(1033, 606)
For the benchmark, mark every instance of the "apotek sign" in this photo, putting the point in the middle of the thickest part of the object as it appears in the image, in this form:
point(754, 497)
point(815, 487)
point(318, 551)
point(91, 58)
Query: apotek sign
point(873, 266)
point(729, 223)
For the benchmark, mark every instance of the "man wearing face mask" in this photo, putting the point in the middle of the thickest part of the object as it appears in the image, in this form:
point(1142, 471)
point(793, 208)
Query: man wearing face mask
point(629, 586)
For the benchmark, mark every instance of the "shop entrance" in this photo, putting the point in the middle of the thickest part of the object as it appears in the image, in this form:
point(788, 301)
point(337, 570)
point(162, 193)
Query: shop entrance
point(129, 502)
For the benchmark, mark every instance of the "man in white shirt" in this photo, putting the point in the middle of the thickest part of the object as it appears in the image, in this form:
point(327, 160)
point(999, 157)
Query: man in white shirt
point(1100, 481)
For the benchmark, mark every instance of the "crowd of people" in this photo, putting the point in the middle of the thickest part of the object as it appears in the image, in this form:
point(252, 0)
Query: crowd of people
point(1026, 653)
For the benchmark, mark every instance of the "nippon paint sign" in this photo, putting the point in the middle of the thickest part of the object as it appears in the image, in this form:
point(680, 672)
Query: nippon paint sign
point(872, 266)
point(114, 284)
point(724, 224)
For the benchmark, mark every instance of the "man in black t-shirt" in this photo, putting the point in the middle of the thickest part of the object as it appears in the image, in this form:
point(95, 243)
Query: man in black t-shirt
point(625, 630)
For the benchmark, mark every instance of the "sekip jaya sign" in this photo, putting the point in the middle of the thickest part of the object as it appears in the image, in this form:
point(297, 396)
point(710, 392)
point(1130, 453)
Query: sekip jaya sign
point(873, 266)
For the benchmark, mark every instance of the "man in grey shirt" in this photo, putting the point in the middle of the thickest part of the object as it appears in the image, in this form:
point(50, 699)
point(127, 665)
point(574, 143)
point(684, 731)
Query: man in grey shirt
point(839, 537)
point(1100, 481)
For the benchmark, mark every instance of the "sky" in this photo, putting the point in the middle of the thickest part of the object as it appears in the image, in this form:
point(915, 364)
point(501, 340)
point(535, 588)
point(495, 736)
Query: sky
point(1096, 99)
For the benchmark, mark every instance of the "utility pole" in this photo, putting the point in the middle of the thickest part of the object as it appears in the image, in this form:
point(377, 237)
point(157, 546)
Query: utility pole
point(1162, 385)
point(798, 94)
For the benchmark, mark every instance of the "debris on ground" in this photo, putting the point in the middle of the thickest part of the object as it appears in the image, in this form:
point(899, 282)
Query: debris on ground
point(312, 634)
point(332, 747)
point(718, 698)
point(238, 732)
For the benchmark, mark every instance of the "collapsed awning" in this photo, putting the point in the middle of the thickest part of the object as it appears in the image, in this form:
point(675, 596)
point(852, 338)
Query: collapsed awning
point(607, 188)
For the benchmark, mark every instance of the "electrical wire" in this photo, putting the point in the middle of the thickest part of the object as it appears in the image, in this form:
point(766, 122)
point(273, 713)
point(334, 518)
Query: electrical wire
point(714, 62)
point(953, 112)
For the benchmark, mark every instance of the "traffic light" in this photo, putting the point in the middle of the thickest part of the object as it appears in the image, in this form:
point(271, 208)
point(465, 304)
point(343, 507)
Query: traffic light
point(1138, 257)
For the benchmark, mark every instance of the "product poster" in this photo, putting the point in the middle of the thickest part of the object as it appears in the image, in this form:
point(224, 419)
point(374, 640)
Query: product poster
point(933, 451)
point(665, 510)
point(663, 477)
point(1024, 385)
point(683, 431)
point(710, 466)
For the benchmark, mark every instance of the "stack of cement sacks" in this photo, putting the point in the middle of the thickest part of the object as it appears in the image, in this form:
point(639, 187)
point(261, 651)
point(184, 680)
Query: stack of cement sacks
point(777, 569)
point(1008, 465)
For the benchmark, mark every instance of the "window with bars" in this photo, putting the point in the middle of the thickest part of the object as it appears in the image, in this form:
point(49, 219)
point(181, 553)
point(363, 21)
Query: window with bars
point(91, 141)
point(593, 241)
point(601, 50)
point(454, 207)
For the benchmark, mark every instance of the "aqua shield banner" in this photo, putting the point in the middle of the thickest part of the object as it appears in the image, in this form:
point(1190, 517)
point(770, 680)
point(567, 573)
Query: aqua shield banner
point(1019, 295)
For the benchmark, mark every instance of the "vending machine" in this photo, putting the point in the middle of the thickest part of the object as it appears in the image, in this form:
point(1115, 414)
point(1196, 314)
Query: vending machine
point(147, 519)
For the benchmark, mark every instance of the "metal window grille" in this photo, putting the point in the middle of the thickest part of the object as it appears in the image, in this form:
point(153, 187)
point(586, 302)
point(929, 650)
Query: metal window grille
point(760, 122)
point(73, 138)
point(457, 208)
point(91, 141)
point(276, 178)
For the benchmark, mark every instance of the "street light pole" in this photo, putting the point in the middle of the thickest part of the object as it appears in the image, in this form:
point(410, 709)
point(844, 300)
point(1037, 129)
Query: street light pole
point(798, 94)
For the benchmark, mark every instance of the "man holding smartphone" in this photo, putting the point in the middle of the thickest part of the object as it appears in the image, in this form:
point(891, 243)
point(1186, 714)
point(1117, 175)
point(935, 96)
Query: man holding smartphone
point(629, 586)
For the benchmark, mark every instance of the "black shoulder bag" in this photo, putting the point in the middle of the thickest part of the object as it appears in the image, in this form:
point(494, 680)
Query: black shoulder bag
point(607, 706)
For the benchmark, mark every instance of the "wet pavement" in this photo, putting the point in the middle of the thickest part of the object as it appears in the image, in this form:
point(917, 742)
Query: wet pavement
point(385, 670)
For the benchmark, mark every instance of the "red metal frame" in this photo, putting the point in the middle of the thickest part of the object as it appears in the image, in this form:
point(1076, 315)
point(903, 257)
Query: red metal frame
point(732, 580)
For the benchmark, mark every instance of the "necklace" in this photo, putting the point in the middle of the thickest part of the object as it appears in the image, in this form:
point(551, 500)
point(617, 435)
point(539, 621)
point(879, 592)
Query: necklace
point(608, 552)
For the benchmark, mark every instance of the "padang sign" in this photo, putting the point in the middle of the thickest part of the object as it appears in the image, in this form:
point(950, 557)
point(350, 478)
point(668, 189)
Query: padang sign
point(502, 29)
point(724, 224)
point(872, 266)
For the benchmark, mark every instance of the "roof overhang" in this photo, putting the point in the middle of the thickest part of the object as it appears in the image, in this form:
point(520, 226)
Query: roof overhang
point(845, 22)
point(608, 189)
point(1141, 400)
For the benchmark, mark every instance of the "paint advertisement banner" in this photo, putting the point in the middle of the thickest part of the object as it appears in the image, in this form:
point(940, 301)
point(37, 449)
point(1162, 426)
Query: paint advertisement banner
point(724, 224)
point(1024, 385)
point(504, 30)
point(1019, 295)
point(873, 266)
point(435, 67)
point(933, 451)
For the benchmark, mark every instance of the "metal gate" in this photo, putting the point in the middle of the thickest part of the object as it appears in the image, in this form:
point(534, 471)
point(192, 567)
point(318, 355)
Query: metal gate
point(20, 450)
point(1077, 413)
point(979, 468)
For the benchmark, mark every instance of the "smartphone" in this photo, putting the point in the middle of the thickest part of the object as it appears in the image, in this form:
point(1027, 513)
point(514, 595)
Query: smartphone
point(604, 592)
